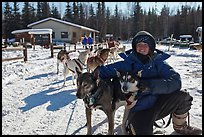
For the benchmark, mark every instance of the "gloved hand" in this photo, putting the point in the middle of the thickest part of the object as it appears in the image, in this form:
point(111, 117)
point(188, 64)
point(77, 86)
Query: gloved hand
point(143, 85)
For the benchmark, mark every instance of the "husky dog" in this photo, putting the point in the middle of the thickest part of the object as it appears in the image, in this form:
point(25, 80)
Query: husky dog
point(129, 84)
point(105, 95)
point(78, 63)
point(98, 60)
point(96, 93)
point(113, 54)
point(121, 49)
point(62, 57)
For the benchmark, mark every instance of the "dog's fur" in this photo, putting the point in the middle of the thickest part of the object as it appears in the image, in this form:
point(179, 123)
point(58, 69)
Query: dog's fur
point(129, 86)
point(105, 95)
point(89, 87)
point(72, 64)
point(97, 60)
point(196, 46)
point(113, 54)
point(62, 57)
point(121, 49)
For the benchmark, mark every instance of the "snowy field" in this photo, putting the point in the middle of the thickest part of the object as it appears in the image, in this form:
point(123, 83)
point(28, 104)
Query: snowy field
point(34, 102)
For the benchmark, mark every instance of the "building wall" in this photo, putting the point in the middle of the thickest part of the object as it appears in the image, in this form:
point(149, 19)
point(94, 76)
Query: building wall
point(58, 27)
point(26, 36)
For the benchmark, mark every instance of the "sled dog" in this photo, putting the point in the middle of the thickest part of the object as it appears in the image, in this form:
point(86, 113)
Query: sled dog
point(97, 60)
point(62, 57)
point(105, 95)
point(72, 64)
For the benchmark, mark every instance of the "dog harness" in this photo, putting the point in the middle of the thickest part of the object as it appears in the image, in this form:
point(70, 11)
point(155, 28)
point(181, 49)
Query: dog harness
point(91, 100)
point(78, 64)
point(97, 56)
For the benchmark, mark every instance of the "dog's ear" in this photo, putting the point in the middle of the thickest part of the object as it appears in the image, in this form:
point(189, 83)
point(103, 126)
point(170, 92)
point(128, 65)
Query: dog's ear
point(118, 73)
point(77, 71)
point(139, 73)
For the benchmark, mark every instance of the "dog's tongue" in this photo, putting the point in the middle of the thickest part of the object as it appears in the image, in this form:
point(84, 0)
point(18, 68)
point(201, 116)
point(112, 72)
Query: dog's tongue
point(128, 102)
point(127, 99)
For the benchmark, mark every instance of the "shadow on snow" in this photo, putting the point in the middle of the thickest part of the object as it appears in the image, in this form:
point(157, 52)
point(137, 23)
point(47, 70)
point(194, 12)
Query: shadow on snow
point(57, 100)
point(39, 76)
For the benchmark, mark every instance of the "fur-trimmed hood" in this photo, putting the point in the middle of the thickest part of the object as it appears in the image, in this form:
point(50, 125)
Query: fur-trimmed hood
point(146, 37)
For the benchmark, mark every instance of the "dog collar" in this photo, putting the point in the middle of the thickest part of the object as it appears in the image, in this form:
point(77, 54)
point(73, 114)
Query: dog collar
point(78, 63)
point(91, 100)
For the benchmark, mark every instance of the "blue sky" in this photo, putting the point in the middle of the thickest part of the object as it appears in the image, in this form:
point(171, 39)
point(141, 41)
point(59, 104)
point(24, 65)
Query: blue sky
point(124, 5)
point(158, 5)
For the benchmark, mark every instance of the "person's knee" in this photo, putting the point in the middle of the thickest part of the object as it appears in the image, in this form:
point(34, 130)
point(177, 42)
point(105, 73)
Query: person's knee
point(186, 102)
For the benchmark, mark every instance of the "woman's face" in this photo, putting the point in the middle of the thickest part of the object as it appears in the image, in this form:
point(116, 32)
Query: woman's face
point(142, 48)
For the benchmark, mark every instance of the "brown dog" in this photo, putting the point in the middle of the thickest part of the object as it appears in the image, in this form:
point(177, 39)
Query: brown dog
point(98, 60)
point(196, 46)
point(96, 94)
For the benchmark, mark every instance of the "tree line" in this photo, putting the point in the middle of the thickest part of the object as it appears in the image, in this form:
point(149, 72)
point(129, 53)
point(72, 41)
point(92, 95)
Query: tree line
point(185, 21)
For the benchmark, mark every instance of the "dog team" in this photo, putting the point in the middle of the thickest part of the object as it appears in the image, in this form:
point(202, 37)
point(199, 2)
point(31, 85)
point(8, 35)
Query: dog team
point(88, 59)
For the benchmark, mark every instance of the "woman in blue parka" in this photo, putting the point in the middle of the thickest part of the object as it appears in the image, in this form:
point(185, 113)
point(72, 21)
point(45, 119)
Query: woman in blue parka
point(164, 96)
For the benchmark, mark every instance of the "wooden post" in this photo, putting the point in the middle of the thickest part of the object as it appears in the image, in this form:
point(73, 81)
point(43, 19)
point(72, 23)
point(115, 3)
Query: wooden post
point(75, 46)
point(25, 52)
point(33, 42)
point(51, 45)
point(170, 41)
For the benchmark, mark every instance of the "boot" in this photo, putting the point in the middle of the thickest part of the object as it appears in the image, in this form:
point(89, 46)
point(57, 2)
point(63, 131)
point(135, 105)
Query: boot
point(180, 125)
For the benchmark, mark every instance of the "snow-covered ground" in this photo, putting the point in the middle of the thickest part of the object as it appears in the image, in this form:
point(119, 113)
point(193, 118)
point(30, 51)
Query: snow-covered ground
point(34, 102)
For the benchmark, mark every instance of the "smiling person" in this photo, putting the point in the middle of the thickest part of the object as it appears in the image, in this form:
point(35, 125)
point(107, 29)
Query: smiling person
point(164, 96)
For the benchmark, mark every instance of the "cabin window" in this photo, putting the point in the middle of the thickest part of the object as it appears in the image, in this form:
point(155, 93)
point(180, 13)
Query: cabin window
point(64, 34)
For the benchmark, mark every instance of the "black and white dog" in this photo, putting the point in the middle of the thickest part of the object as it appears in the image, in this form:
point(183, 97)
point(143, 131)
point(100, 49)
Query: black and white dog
point(62, 57)
point(105, 95)
point(74, 63)
point(129, 85)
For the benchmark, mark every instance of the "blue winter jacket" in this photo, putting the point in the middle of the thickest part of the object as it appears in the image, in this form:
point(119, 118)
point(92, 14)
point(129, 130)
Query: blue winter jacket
point(90, 40)
point(84, 41)
point(162, 78)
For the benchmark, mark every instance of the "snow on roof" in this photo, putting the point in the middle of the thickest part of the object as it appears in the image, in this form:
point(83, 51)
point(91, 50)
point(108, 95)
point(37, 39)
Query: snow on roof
point(33, 31)
point(199, 29)
point(20, 31)
point(61, 21)
point(40, 31)
point(185, 36)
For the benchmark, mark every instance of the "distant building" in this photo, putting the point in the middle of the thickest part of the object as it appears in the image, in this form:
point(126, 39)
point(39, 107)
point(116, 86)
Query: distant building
point(63, 30)
point(29, 35)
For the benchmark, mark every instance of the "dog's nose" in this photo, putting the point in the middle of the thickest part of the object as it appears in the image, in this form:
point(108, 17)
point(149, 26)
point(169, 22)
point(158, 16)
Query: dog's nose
point(125, 88)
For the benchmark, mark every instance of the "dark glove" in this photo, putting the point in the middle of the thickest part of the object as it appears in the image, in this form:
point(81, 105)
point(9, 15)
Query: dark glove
point(143, 85)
